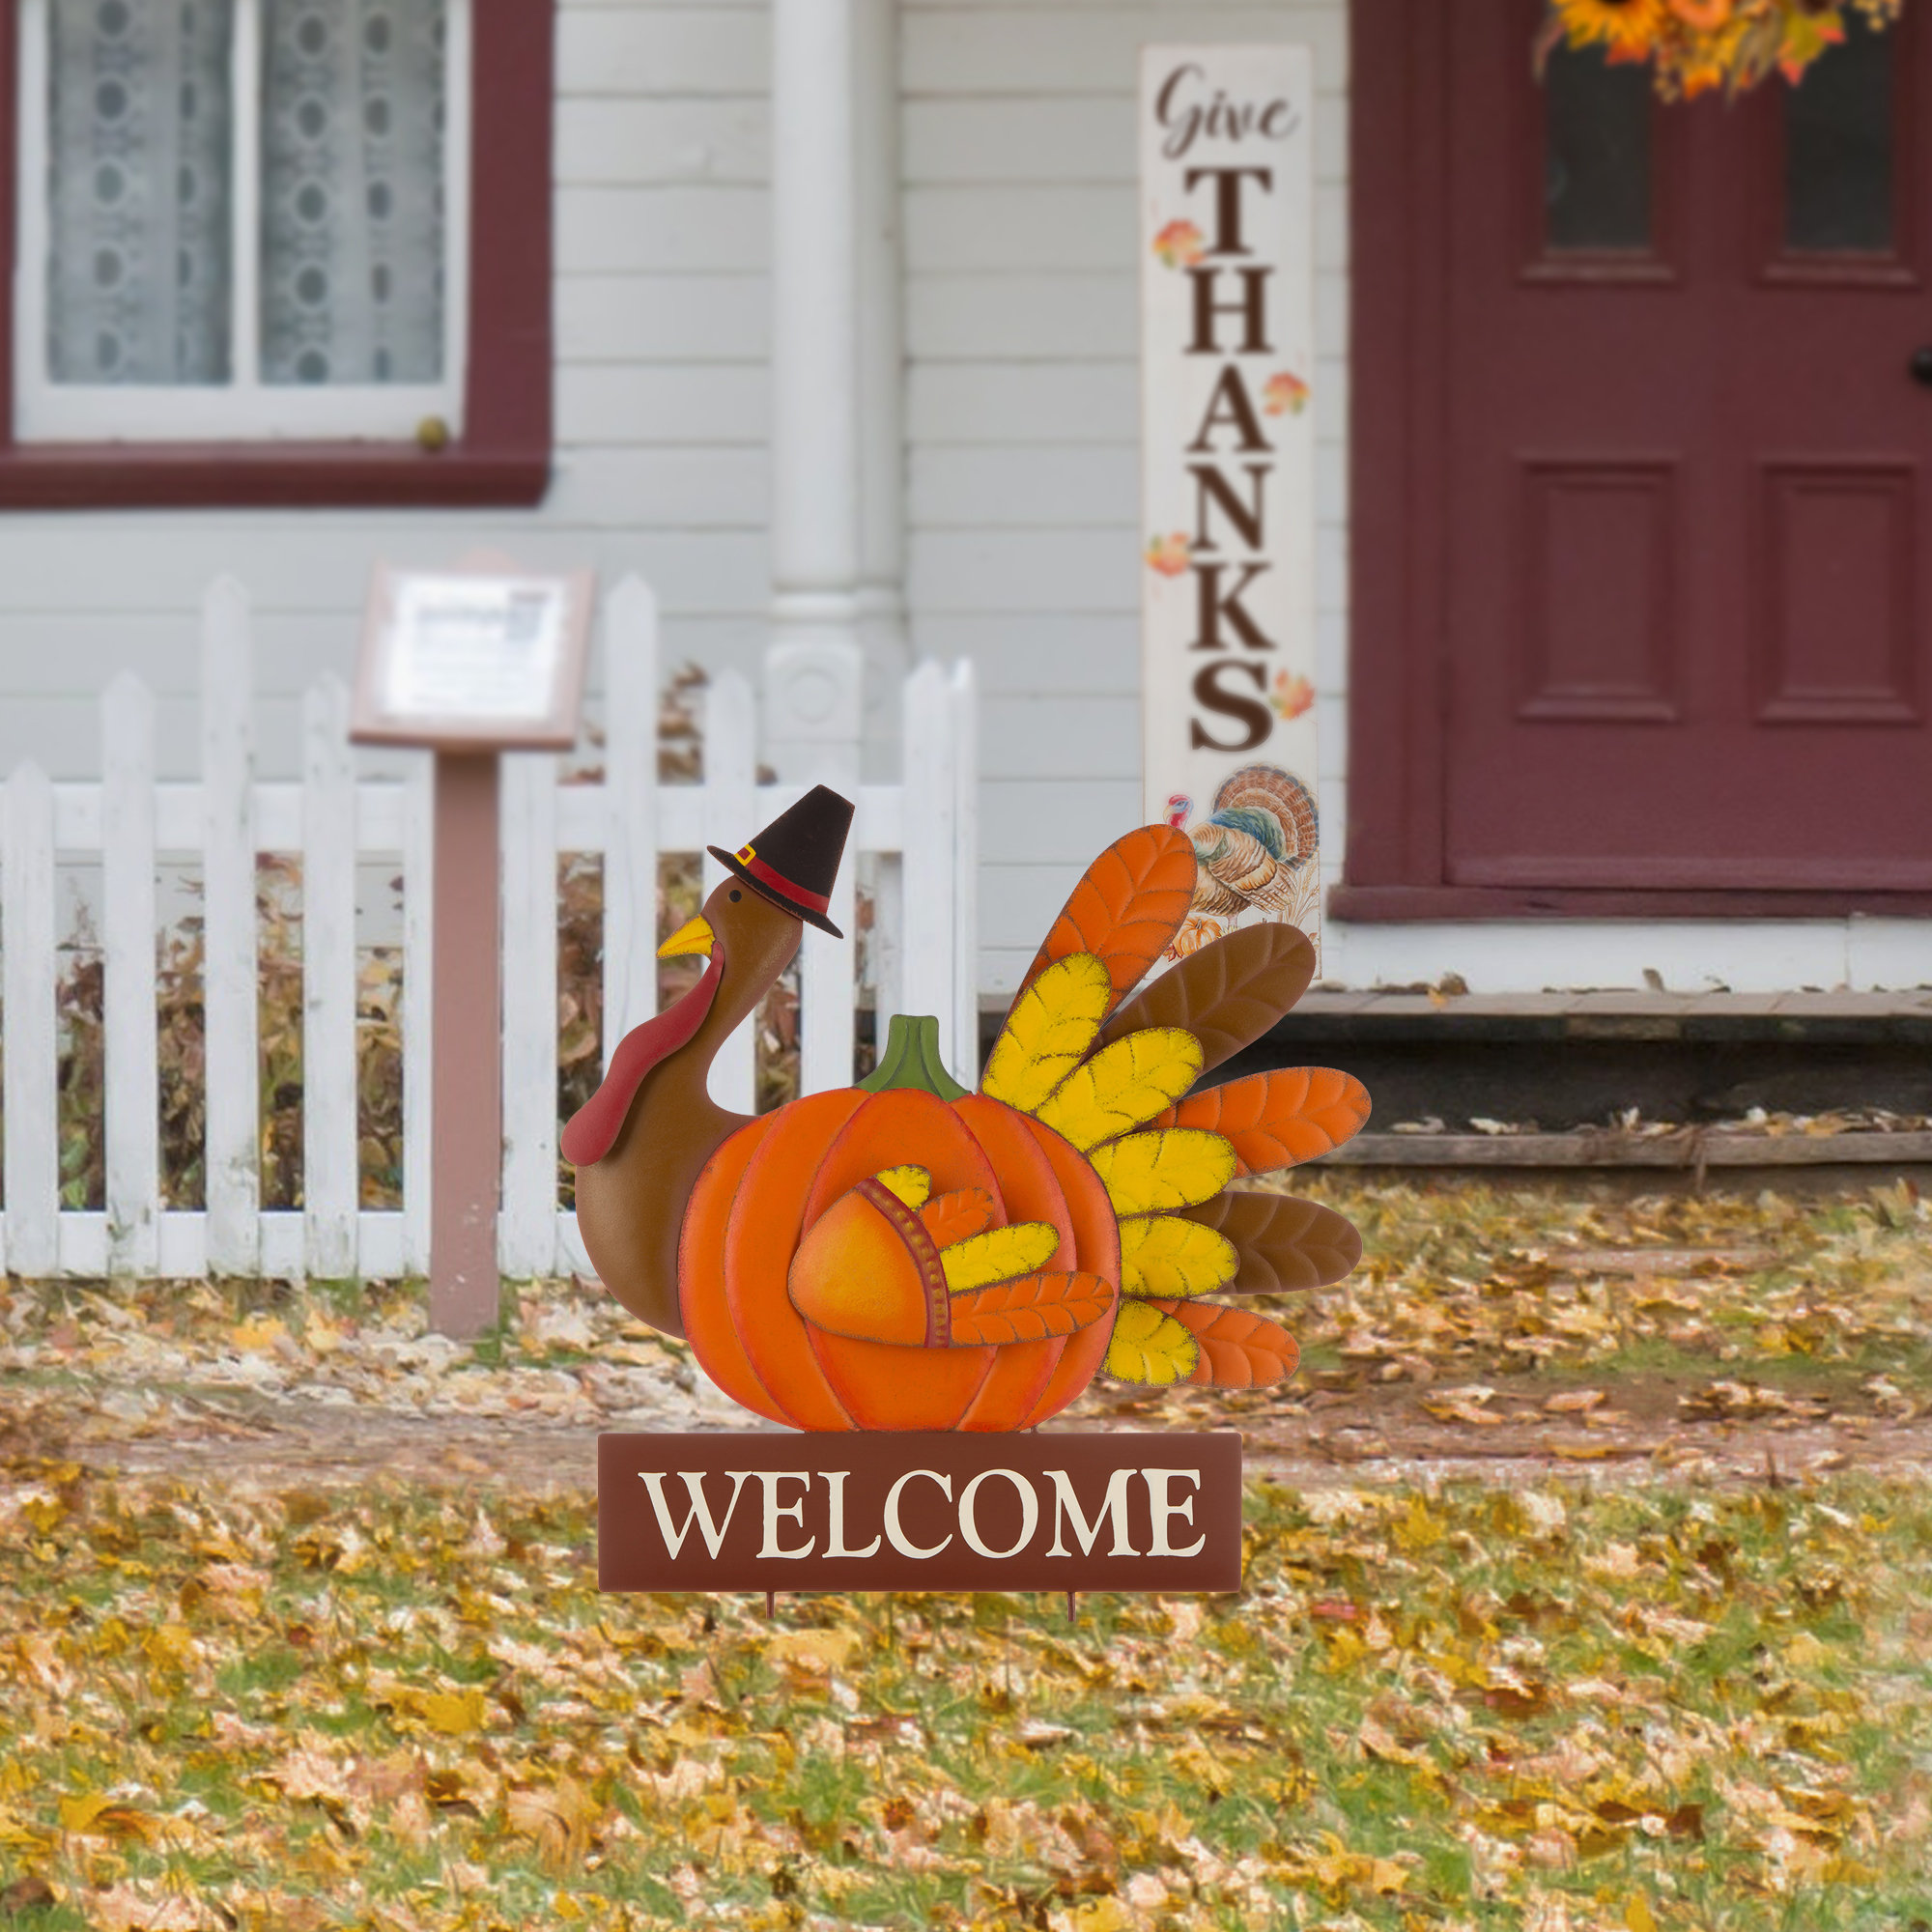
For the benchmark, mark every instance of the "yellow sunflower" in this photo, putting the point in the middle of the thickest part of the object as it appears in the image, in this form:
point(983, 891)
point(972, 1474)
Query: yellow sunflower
point(1698, 46)
point(1701, 61)
point(1626, 27)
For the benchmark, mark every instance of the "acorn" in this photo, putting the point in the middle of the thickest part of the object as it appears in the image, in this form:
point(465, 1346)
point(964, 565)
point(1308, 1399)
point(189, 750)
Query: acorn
point(868, 1268)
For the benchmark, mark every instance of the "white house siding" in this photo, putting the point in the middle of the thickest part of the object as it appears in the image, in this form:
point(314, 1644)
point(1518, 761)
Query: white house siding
point(1023, 407)
point(660, 304)
point(1021, 424)
point(1023, 416)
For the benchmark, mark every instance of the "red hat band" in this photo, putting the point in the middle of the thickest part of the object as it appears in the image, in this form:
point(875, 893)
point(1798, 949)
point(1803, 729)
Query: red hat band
point(778, 882)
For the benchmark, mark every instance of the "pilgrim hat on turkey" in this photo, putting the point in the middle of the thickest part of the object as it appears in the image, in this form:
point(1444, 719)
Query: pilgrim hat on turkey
point(795, 858)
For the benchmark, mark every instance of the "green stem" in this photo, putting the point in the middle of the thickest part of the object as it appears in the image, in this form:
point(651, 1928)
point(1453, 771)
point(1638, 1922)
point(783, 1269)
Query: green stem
point(911, 1058)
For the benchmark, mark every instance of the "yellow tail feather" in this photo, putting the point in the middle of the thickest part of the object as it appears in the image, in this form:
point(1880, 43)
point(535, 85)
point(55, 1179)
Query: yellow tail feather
point(1048, 1031)
point(1123, 1085)
point(999, 1254)
point(1162, 1255)
point(1151, 1346)
point(910, 1184)
point(1173, 1167)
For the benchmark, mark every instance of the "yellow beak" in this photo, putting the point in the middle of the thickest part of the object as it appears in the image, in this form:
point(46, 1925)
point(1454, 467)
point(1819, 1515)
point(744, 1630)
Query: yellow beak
point(695, 935)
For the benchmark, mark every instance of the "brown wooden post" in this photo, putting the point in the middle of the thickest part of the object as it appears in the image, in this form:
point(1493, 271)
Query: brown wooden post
point(467, 1077)
point(471, 663)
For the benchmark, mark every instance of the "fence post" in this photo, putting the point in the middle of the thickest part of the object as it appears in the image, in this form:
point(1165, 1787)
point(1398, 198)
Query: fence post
point(330, 1137)
point(131, 1075)
point(887, 950)
point(812, 709)
point(526, 1230)
point(631, 799)
point(931, 809)
point(730, 817)
point(231, 981)
point(419, 1012)
point(32, 1064)
point(962, 703)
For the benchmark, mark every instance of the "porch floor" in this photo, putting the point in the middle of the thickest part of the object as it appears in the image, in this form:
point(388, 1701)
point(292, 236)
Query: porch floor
point(1738, 1084)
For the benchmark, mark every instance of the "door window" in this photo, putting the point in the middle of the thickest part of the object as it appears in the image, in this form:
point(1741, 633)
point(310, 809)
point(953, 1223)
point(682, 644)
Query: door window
point(1596, 149)
point(1838, 149)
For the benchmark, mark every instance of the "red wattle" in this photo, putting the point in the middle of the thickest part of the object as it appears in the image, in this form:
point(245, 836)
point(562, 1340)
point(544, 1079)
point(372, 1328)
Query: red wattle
point(597, 1124)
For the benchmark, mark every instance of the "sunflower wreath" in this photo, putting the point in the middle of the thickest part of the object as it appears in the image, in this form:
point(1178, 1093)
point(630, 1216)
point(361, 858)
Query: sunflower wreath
point(1696, 47)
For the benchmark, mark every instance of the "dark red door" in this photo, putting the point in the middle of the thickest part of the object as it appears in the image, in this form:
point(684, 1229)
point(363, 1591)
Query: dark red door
point(1688, 558)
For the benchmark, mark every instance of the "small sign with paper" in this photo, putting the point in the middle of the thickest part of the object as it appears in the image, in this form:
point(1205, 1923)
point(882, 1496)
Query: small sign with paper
point(472, 658)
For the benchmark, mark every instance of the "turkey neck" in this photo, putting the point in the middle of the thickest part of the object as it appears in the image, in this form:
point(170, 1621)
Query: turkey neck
point(630, 1204)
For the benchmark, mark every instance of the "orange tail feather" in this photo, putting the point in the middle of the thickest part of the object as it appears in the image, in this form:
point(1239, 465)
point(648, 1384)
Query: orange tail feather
point(1277, 1119)
point(1238, 1349)
point(1127, 907)
point(1030, 1308)
point(958, 1216)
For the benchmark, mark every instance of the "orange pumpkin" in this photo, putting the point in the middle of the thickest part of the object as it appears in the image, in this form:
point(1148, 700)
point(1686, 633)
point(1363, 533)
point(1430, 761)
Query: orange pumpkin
point(766, 1190)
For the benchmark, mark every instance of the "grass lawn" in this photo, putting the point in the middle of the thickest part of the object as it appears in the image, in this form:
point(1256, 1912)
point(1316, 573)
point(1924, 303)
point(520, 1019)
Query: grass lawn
point(1586, 1700)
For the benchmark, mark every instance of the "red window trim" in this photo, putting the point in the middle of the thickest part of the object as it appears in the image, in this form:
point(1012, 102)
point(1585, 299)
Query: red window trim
point(503, 455)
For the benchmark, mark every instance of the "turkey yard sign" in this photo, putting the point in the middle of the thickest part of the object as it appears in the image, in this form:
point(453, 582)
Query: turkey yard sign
point(1227, 480)
point(915, 1276)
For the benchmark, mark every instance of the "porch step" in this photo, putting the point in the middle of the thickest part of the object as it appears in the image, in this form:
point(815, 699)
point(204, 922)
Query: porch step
point(1615, 1014)
point(1612, 1015)
point(1694, 1149)
point(1560, 1066)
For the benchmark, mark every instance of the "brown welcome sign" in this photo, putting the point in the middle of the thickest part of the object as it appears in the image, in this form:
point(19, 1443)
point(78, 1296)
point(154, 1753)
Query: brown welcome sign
point(925, 1510)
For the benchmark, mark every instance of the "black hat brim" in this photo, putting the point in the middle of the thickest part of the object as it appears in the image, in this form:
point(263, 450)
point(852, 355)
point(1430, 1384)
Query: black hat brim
point(732, 864)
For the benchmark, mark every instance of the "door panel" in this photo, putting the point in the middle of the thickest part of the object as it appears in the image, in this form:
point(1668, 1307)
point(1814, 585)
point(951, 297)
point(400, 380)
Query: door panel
point(1683, 635)
point(1598, 632)
point(1834, 639)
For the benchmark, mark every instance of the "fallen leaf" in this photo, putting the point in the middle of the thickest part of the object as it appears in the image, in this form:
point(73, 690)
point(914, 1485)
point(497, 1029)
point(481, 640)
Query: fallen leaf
point(1575, 1402)
point(813, 1651)
point(455, 1712)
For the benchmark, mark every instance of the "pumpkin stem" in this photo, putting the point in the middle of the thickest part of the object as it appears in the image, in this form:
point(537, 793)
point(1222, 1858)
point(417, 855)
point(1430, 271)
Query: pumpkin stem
point(911, 1058)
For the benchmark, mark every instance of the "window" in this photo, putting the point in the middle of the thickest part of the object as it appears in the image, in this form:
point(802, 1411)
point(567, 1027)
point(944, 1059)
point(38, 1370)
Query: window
point(240, 222)
point(245, 267)
point(1597, 162)
point(1838, 149)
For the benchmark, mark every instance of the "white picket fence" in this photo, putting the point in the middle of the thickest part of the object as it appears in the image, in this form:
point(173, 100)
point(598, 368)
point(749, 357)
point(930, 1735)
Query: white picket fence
point(923, 833)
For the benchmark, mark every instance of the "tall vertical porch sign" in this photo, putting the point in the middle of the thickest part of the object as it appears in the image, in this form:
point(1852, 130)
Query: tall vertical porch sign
point(1227, 477)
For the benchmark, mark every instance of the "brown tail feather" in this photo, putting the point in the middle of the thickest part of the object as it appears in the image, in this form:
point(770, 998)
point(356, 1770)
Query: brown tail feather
point(1127, 907)
point(1228, 994)
point(1284, 1244)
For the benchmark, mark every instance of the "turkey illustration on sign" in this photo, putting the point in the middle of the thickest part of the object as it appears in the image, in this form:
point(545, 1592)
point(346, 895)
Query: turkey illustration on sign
point(1256, 851)
point(910, 1255)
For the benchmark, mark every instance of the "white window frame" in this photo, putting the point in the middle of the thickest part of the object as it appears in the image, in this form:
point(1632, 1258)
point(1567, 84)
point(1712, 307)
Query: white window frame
point(244, 409)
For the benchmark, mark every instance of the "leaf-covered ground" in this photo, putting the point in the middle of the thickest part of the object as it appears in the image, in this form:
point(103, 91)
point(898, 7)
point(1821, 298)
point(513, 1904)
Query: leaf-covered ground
point(1487, 1329)
point(299, 1625)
